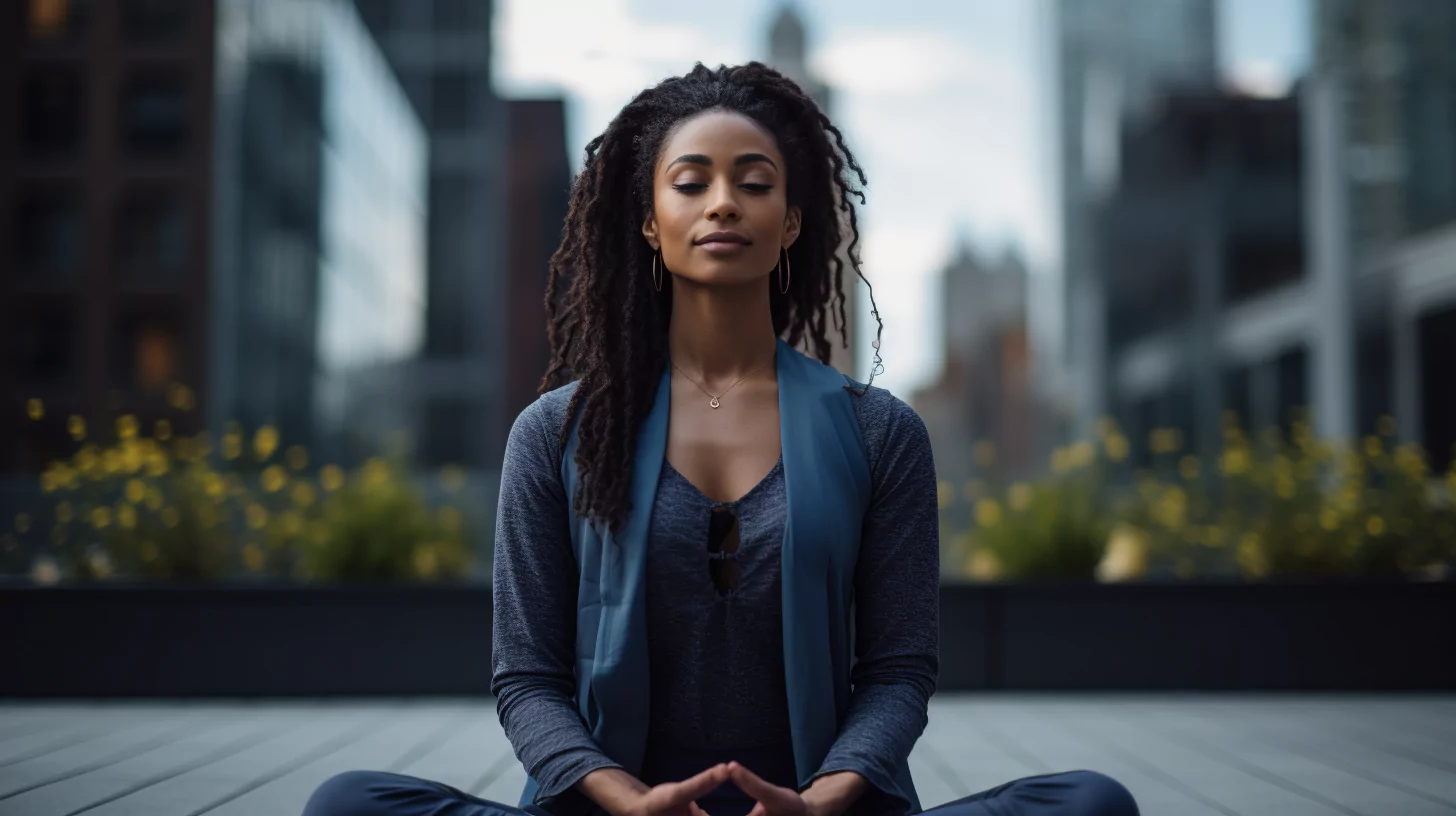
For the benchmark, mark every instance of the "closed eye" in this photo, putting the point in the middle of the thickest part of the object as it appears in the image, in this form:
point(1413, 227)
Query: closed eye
point(694, 186)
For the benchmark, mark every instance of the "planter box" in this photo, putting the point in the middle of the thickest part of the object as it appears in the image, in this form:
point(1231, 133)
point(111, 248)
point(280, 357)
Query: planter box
point(284, 641)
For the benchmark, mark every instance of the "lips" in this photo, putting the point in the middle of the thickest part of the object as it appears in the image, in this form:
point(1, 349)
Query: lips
point(722, 237)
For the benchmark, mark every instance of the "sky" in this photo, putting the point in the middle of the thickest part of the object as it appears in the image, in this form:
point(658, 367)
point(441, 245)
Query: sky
point(945, 104)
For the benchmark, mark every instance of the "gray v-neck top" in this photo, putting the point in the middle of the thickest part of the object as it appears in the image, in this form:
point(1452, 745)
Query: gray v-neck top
point(716, 662)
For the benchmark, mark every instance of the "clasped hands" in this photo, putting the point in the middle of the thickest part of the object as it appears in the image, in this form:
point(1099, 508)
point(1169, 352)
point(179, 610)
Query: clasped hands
point(678, 798)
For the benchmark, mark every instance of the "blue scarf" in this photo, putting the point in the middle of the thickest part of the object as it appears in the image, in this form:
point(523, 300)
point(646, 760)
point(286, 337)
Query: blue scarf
point(827, 481)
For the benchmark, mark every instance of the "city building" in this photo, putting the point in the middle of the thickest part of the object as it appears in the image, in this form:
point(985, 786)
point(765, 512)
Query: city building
point(1111, 60)
point(216, 213)
point(978, 410)
point(788, 53)
point(1201, 244)
point(538, 181)
point(441, 53)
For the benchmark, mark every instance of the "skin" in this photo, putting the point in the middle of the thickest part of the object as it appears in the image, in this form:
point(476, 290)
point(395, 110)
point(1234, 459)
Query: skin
point(721, 330)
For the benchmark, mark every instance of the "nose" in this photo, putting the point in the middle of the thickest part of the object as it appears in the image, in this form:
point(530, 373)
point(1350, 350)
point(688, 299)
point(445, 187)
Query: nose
point(722, 205)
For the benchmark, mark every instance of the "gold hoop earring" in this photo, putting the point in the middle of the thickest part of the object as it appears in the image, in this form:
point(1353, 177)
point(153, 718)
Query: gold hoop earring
point(784, 280)
point(656, 275)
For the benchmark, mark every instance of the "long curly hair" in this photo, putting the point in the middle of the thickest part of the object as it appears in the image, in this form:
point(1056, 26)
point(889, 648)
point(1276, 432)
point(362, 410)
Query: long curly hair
point(609, 332)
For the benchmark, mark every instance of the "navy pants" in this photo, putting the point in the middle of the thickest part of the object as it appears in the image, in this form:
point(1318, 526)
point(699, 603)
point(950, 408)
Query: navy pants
point(380, 793)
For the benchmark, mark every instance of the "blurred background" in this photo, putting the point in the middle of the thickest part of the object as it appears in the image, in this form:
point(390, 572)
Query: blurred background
point(1172, 282)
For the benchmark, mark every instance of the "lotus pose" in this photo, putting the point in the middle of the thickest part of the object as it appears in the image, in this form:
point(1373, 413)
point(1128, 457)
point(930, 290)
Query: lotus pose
point(716, 557)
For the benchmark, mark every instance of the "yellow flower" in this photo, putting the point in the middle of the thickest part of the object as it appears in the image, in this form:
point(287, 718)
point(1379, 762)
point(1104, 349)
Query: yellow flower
point(257, 516)
point(213, 485)
point(126, 516)
point(22, 523)
point(1106, 426)
point(1375, 525)
point(988, 512)
point(303, 494)
point(48, 482)
point(944, 494)
point(1117, 447)
point(452, 478)
point(1020, 497)
point(126, 426)
point(1373, 447)
point(45, 571)
point(253, 557)
point(274, 478)
point(76, 425)
point(450, 518)
point(232, 445)
point(154, 499)
point(35, 409)
point(1172, 509)
point(1235, 461)
point(426, 562)
point(101, 518)
point(375, 472)
point(265, 442)
point(1329, 519)
point(297, 457)
point(1126, 556)
point(985, 453)
point(180, 397)
point(1188, 467)
point(1081, 454)
point(983, 565)
point(163, 430)
point(1251, 558)
point(1385, 426)
point(1061, 461)
point(290, 523)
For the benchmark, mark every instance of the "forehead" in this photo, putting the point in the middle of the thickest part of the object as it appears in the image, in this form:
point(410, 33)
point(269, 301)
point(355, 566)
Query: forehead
point(719, 134)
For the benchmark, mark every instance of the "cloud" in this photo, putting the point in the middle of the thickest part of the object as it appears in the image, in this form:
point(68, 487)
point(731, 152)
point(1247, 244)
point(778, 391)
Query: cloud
point(1258, 77)
point(903, 62)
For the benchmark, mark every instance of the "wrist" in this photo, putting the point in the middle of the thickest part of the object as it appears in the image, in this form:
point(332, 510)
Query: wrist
point(833, 793)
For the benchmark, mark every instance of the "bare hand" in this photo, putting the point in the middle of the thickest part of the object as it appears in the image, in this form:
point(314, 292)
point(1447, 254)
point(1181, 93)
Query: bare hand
point(677, 798)
point(772, 799)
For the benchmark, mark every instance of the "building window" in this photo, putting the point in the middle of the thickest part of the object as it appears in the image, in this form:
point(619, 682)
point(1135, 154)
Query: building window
point(155, 20)
point(48, 236)
point(145, 354)
point(460, 15)
point(151, 237)
point(46, 344)
point(154, 115)
point(453, 103)
point(56, 20)
point(378, 15)
point(51, 113)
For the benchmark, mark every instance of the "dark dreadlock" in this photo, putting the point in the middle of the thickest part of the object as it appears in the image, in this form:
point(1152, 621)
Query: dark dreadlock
point(611, 332)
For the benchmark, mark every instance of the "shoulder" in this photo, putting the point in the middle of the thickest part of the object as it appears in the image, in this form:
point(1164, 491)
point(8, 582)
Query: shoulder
point(887, 423)
point(539, 422)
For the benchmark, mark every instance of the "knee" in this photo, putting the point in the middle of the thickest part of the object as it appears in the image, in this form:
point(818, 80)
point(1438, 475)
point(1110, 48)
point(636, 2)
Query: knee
point(1101, 795)
point(343, 794)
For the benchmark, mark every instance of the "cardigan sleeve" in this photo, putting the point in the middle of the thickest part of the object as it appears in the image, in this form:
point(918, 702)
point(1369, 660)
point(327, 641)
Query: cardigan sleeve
point(897, 582)
point(534, 629)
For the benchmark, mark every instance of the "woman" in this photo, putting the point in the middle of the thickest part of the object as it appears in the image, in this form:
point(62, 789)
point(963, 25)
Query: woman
point(689, 527)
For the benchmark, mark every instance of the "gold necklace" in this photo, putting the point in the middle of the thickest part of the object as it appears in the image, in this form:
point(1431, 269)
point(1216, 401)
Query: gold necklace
point(714, 402)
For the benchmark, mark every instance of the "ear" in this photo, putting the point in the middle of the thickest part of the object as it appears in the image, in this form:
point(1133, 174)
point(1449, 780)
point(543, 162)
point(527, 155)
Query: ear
point(649, 231)
point(793, 222)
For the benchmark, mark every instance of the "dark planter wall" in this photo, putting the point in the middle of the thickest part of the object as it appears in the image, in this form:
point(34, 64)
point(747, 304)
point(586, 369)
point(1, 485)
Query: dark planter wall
point(435, 640)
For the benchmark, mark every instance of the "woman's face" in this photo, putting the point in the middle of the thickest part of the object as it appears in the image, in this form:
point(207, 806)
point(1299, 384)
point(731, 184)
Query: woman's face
point(720, 172)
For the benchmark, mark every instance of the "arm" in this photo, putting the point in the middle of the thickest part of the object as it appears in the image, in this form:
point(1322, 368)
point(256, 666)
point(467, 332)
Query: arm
point(535, 578)
point(897, 582)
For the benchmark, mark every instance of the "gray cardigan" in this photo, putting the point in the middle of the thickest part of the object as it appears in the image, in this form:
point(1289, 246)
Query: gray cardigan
point(709, 696)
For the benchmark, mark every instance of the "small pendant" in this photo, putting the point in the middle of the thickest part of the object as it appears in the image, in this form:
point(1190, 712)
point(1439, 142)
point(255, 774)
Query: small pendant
point(714, 403)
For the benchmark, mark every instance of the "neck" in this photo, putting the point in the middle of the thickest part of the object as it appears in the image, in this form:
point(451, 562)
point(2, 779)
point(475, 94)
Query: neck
point(721, 333)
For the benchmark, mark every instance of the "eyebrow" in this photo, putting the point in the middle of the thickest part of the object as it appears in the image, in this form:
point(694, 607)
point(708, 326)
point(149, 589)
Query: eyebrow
point(699, 158)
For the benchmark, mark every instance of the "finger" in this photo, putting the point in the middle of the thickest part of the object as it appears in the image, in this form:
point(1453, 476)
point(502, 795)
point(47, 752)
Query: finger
point(752, 784)
point(696, 786)
point(695, 810)
point(758, 810)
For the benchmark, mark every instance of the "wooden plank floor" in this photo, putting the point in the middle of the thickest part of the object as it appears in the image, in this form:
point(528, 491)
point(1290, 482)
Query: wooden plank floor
point(1236, 755)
